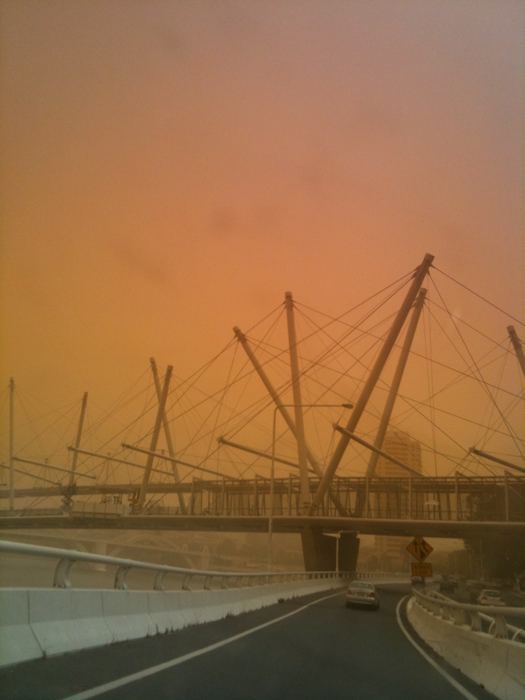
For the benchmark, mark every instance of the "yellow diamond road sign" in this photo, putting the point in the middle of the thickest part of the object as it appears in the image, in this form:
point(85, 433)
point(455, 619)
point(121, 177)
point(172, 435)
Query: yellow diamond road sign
point(420, 548)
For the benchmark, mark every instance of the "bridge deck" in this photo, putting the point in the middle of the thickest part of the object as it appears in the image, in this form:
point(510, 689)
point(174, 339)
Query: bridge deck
point(427, 499)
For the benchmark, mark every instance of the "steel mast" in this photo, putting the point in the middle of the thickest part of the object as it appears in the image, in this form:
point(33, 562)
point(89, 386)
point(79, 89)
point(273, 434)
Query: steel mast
point(360, 405)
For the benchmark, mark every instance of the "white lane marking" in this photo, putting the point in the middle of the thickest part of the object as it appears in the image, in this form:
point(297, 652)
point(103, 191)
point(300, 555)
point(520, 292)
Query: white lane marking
point(461, 689)
point(125, 680)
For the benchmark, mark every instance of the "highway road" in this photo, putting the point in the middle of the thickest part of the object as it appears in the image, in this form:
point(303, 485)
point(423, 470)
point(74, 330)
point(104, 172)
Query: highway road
point(309, 648)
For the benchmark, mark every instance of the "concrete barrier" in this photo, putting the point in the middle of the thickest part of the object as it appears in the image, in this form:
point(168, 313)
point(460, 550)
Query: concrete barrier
point(67, 620)
point(45, 622)
point(17, 640)
point(167, 612)
point(126, 614)
point(496, 664)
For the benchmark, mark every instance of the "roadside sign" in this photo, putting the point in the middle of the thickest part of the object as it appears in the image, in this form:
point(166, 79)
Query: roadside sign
point(422, 569)
point(420, 548)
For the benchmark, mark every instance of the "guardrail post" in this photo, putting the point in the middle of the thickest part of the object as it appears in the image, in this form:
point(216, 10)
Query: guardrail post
point(500, 627)
point(61, 578)
point(121, 578)
point(185, 583)
point(158, 584)
point(476, 623)
point(460, 616)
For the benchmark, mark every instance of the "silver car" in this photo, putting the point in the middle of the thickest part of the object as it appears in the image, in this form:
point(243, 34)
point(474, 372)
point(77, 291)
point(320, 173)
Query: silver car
point(362, 593)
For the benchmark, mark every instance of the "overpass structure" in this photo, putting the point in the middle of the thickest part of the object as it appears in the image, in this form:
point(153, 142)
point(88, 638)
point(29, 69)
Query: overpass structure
point(314, 498)
point(435, 507)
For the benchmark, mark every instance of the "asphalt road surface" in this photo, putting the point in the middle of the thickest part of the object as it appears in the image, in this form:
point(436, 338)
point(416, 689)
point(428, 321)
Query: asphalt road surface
point(318, 649)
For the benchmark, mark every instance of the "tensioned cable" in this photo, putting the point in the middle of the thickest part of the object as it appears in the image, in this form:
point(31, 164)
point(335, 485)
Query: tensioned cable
point(439, 428)
point(323, 355)
point(31, 421)
point(344, 349)
point(471, 327)
point(476, 294)
point(302, 340)
point(221, 402)
point(430, 378)
point(149, 392)
point(114, 407)
point(484, 439)
point(59, 445)
point(510, 408)
point(462, 376)
point(266, 403)
point(445, 366)
point(4, 398)
point(403, 416)
point(250, 373)
point(193, 378)
point(483, 383)
point(402, 397)
point(404, 278)
point(352, 327)
point(120, 402)
point(325, 449)
point(208, 397)
point(228, 385)
point(383, 386)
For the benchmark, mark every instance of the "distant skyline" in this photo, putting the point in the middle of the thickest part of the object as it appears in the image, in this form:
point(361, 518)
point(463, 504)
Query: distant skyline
point(170, 169)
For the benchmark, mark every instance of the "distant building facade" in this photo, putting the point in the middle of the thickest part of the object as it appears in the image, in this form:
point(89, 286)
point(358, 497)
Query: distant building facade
point(391, 551)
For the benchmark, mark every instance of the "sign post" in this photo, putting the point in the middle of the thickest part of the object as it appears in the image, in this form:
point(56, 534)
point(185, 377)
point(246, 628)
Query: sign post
point(420, 549)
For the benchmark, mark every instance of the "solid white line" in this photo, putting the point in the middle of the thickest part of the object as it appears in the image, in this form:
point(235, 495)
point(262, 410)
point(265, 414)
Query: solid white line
point(461, 689)
point(125, 680)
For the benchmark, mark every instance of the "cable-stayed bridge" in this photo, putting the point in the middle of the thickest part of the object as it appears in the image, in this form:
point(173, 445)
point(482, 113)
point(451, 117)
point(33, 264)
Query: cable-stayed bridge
point(214, 459)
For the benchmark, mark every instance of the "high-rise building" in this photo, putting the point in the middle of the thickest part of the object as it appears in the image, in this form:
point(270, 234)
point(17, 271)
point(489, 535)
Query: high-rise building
point(392, 550)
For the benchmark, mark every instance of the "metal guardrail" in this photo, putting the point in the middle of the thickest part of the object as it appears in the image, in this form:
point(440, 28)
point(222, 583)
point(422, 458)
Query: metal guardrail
point(480, 618)
point(68, 557)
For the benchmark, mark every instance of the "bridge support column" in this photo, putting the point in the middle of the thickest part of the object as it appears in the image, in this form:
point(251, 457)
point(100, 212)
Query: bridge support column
point(320, 550)
point(348, 551)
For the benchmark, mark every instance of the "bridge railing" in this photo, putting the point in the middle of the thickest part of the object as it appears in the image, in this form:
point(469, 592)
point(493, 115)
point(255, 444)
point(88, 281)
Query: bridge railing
point(480, 618)
point(66, 558)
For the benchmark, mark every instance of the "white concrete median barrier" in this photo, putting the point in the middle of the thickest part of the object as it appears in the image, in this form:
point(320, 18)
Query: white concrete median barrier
point(67, 620)
point(496, 664)
point(37, 622)
point(46, 622)
point(166, 611)
point(17, 640)
point(126, 614)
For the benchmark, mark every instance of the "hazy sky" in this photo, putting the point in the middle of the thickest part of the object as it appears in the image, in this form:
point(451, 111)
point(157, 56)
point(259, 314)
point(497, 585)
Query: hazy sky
point(170, 168)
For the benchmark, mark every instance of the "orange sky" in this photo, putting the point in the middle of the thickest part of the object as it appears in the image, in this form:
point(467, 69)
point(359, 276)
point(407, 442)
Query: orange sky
point(169, 169)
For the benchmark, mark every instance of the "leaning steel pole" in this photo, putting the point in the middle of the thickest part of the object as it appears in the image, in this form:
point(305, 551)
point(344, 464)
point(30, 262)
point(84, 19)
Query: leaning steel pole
point(273, 393)
point(154, 438)
point(78, 437)
point(518, 348)
point(360, 405)
point(298, 404)
point(11, 443)
point(282, 408)
point(167, 431)
point(396, 382)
